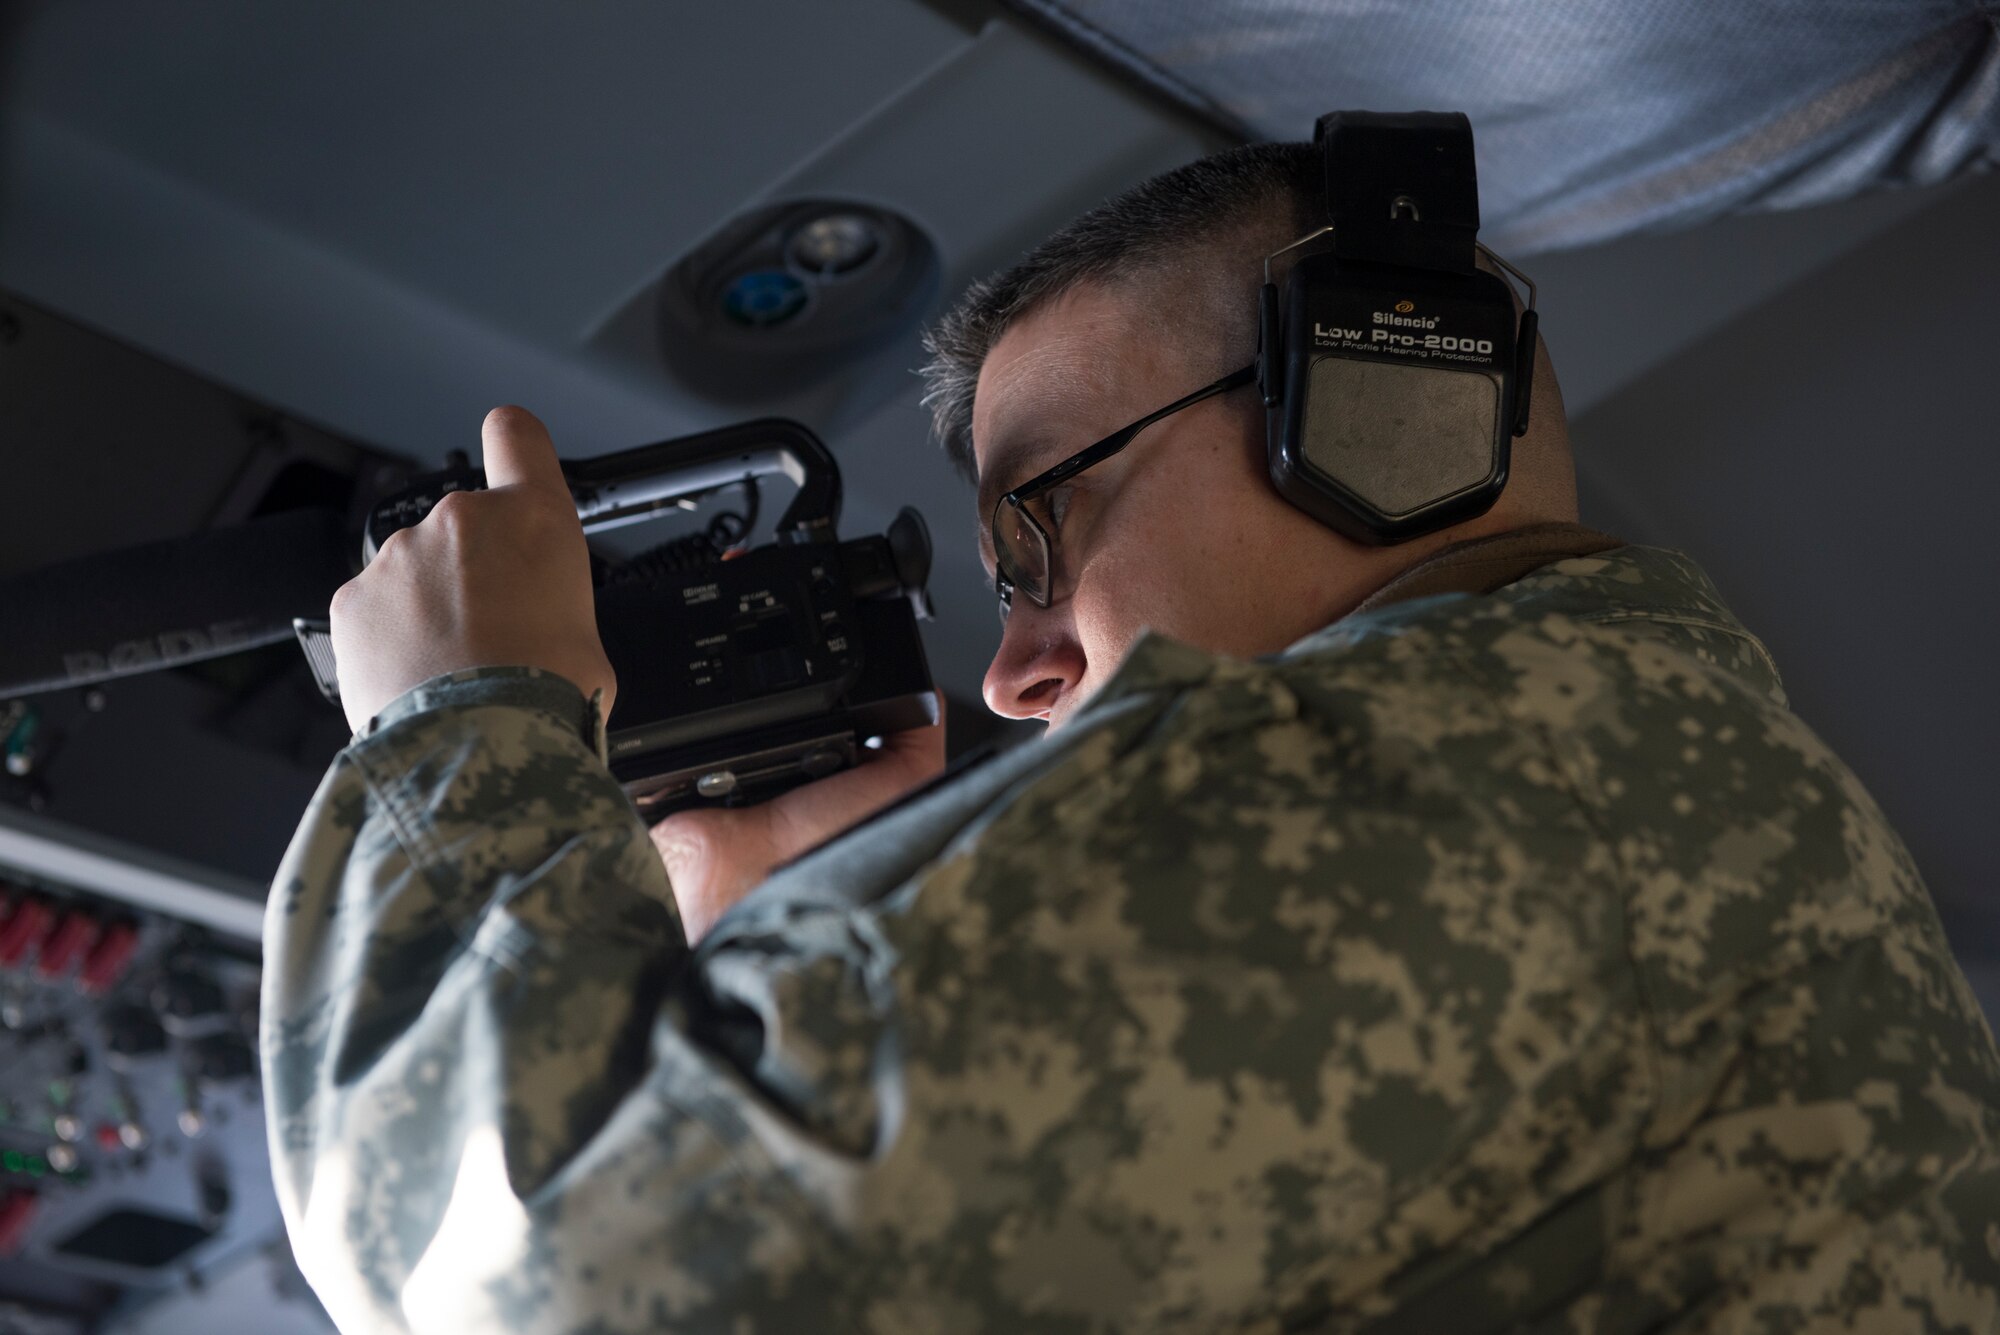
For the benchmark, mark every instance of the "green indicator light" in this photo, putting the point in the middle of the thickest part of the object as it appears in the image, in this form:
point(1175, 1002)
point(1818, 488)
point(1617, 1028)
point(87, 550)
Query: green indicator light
point(12, 1161)
point(59, 1091)
point(37, 1166)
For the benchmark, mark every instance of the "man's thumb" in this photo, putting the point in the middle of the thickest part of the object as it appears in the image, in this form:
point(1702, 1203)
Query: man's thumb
point(517, 452)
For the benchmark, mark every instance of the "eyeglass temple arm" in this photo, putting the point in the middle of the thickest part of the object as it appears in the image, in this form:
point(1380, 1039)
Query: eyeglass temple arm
point(1119, 439)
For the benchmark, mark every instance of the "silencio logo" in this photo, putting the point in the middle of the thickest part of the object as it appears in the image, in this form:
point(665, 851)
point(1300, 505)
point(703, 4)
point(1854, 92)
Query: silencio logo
point(1405, 306)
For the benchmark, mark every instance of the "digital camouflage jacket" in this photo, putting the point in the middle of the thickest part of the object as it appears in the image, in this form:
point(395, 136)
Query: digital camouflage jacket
point(1483, 962)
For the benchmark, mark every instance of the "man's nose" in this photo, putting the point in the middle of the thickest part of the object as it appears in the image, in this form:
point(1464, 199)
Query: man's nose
point(1038, 661)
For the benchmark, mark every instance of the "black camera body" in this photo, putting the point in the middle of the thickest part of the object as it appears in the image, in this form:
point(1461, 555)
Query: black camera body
point(740, 674)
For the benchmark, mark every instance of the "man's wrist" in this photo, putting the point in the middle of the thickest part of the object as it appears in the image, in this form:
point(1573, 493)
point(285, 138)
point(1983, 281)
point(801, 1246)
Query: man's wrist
point(534, 688)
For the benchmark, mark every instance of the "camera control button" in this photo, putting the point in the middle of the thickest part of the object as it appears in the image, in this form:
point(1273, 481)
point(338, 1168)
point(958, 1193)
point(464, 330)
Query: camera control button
point(820, 762)
point(716, 783)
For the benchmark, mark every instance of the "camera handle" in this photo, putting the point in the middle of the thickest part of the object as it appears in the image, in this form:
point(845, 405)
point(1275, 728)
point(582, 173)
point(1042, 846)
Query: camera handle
point(625, 488)
point(635, 485)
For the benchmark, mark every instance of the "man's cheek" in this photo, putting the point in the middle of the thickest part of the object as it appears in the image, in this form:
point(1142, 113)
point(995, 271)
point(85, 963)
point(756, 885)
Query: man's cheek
point(1109, 620)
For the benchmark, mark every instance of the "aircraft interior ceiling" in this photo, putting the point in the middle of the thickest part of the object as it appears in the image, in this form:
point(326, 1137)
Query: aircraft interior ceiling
point(243, 242)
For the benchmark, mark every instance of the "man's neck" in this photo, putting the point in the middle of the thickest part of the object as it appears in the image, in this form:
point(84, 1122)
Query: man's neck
point(1488, 562)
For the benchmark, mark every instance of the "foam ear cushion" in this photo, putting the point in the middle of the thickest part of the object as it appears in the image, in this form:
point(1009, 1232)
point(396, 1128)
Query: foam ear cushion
point(1400, 437)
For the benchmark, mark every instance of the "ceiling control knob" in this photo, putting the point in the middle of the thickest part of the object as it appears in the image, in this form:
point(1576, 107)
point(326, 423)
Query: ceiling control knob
point(24, 929)
point(107, 959)
point(70, 938)
point(187, 996)
point(213, 1195)
point(221, 1057)
point(130, 1032)
point(17, 1211)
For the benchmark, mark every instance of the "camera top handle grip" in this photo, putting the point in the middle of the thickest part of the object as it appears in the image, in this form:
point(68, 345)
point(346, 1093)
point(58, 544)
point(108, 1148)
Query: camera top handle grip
point(636, 484)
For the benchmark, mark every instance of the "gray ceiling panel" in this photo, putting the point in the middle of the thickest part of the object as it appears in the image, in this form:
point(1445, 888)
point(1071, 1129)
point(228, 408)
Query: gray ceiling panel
point(399, 233)
point(518, 162)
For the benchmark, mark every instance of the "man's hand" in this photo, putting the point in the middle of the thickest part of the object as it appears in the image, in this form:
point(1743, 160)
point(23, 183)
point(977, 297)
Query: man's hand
point(715, 856)
point(490, 578)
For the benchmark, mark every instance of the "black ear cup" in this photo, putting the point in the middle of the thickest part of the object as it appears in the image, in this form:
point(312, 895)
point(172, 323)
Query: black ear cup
point(1394, 372)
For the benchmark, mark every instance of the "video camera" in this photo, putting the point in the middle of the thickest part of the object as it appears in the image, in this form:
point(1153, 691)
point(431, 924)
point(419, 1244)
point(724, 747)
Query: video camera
point(742, 671)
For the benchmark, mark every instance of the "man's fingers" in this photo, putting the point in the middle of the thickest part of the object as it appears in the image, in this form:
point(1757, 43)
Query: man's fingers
point(518, 453)
point(920, 741)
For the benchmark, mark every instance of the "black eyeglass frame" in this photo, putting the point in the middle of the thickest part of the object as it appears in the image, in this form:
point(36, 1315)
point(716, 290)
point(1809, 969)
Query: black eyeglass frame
point(1006, 580)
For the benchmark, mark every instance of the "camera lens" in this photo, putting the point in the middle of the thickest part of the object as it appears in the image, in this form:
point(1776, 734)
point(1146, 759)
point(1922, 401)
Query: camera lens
point(762, 298)
point(833, 244)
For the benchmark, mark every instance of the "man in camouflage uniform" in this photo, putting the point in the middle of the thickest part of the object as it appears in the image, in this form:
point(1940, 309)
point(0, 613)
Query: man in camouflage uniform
point(1458, 936)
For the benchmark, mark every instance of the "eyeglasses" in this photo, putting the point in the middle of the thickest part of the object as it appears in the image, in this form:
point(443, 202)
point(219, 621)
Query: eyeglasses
point(1022, 548)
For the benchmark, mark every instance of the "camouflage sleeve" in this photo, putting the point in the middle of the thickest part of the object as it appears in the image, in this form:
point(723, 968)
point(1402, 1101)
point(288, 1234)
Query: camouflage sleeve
point(467, 943)
point(1216, 1020)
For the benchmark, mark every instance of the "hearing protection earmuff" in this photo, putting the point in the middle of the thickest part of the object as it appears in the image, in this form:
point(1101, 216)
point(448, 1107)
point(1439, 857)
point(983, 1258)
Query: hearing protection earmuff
point(1394, 372)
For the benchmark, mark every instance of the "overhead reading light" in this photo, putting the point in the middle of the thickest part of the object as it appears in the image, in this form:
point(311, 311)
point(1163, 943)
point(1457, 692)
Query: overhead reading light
point(833, 244)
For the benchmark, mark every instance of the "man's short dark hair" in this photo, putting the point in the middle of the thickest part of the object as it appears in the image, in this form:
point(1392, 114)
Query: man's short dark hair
point(1205, 225)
